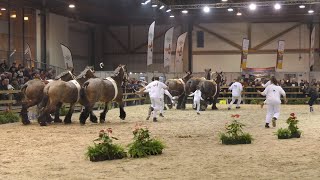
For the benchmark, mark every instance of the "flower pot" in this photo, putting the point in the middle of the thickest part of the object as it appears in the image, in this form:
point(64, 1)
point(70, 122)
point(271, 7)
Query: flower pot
point(230, 141)
point(296, 135)
point(104, 158)
point(284, 137)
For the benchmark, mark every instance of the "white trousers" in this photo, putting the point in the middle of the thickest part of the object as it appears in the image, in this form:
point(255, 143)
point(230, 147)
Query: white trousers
point(162, 105)
point(156, 104)
point(234, 98)
point(197, 103)
point(272, 111)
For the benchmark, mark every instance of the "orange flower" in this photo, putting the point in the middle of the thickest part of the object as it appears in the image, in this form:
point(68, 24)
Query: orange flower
point(292, 114)
point(237, 115)
point(109, 130)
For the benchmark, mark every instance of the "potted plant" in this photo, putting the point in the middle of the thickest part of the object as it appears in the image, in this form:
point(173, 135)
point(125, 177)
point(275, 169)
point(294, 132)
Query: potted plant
point(105, 149)
point(234, 133)
point(143, 145)
point(292, 131)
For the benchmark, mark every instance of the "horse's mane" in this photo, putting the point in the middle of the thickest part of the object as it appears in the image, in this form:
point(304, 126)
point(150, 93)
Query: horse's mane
point(61, 75)
point(84, 72)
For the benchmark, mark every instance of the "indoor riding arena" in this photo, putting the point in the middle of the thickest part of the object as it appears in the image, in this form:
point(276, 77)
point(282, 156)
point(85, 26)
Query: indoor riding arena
point(159, 89)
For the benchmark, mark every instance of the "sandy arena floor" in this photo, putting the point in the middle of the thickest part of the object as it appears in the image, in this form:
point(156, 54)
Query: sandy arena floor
point(58, 151)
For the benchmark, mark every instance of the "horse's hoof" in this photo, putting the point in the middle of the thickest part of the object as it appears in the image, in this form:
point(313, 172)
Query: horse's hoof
point(102, 121)
point(94, 119)
point(57, 121)
point(26, 122)
point(122, 118)
point(43, 124)
point(67, 122)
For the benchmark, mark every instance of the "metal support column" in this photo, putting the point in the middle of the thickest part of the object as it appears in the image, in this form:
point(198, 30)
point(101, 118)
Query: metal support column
point(190, 29)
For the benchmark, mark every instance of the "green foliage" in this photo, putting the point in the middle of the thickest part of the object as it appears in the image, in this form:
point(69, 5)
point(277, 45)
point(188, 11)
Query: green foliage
point(255, 101)
point(104, 149)
point(283, 133)
point(234, 133)
point(297, 101)
point(147, 100)
point(292, 131)
point(143, 145)
point(63, 110)
point(8, 117)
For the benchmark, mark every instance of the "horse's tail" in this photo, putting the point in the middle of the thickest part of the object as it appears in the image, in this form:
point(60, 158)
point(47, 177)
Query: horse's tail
point(45, 98)
point(83, 89)
point(22, 93)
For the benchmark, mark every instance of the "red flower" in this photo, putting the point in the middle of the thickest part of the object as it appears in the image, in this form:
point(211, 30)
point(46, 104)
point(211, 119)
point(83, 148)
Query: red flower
point(101, 133)
point(233, 115)
point(237, 115)
point(109, 130)
point(292, 114)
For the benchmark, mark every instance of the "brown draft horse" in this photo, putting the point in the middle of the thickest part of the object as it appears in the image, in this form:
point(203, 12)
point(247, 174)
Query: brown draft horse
point(210, 89)
point(58, 92)
point(104, 90)
point(32, 92)
point(176, 87)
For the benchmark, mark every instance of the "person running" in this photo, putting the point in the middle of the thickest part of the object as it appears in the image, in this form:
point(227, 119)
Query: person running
point(273, 93)
point(265, 85)
point(236, 89)
point(196, 99)
point(154, 89)
point(164, 92)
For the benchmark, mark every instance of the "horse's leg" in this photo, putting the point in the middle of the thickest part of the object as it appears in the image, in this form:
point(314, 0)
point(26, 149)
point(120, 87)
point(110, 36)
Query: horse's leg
point(183, 102)
point(44, 115)
point(93, 117)
point(84, 115)
point(57, 113)
point(103, 113)
point(122, 112)
point(67, 119)
point(214, 105)
point(24, 111)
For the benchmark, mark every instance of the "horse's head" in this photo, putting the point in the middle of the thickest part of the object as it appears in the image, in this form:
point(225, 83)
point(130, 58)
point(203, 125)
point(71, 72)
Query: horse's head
point(187, 76)
point(219, 77)
point(207, 74)
point(86, 74)
point(121, 74)
point(65, 76)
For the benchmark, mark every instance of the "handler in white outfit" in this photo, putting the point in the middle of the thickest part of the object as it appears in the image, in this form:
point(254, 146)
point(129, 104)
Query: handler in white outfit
point(273, 94)
point(196, 99)
point(154, 89)
point(236, 89)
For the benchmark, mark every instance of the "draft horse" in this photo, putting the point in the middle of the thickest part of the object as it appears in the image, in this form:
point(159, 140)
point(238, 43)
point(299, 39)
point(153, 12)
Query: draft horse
point(58, 92)
point(177, 87)
point(104, 90)
point(32, 93)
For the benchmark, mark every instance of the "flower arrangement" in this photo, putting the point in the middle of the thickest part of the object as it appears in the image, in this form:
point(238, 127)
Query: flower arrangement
point(234, 133)
point(105, 149)
point(292, 131)
point(143, 145)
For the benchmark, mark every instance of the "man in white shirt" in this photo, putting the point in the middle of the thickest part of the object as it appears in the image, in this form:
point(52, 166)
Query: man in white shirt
point(164, 92)
point(154, 89)
point(273, 93)
point(236, 89)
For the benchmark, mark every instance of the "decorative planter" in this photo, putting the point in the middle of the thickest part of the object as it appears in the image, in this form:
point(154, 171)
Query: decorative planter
point(104, 158)
point(284, 136)
point(231, 141)
point(296, 135)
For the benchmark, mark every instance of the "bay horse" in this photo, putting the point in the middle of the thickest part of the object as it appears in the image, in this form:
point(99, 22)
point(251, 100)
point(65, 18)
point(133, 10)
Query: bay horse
point(104, 90)
point(177, 87)
point(32, 93)
point(58, 92)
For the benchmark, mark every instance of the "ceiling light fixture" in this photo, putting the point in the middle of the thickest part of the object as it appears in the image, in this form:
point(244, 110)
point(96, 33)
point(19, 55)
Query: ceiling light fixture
point(239, 14)
point(302, 6)
point(161, 7)
point(311, 11)
point(277, 6)
point(143, 3)
point(230, 9)
point(26, 18)
point(154, 5)
point(206, 9)
point(13, 16)
point(172, 16)
point(3, 9)
point(252, 6)
point(168, 10)
point(224, 0)
point(147, 1)
point(72, 6)
point(184, 11)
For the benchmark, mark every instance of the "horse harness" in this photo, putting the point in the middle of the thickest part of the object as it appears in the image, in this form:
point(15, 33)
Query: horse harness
point(75, 82)
point(114, 85)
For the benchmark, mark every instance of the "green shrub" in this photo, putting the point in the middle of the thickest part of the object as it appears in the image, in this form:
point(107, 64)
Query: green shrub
point(8, 117)
point(234, 133)
point(147, 100)
point(283, 133)
point(297, 101)
point(255, 101)
point(292, 131)
point(64, 110)
point(143, 145)
point(105, 150)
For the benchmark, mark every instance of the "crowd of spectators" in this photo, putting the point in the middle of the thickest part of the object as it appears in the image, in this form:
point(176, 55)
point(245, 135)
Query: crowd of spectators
point(14, 76)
